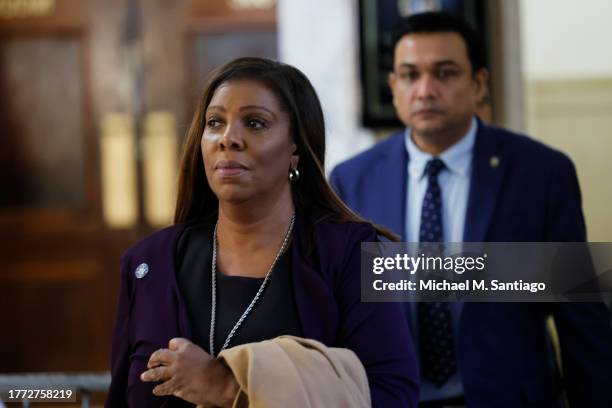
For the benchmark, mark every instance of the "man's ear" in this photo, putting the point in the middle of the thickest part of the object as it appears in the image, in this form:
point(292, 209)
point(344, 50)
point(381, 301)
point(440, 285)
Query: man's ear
point(481, 78)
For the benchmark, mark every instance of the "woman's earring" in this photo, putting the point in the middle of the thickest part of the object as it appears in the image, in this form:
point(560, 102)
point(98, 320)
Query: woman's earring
point(294, 175)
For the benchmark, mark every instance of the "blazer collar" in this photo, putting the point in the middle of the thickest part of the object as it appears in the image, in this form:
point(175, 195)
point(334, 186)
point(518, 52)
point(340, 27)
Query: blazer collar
point(393, 192)
point(312, 297)
point(489, 166)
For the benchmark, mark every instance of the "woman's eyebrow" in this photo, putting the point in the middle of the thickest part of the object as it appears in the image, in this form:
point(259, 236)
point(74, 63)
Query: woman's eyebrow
point(243, 108)
point(247, 107)
point(215, 107)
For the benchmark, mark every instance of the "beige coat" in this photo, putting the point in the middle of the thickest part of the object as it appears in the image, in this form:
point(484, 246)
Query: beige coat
point(295, 372)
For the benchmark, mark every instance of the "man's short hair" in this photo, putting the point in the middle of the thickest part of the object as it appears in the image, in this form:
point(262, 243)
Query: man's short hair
point(443, 22)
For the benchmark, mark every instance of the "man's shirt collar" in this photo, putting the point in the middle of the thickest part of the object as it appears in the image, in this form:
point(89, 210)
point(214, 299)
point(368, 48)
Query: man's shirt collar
point(457, 158)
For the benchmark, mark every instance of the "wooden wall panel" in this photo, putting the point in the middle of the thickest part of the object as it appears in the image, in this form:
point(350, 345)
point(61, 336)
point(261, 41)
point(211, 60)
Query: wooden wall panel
point(42, 156)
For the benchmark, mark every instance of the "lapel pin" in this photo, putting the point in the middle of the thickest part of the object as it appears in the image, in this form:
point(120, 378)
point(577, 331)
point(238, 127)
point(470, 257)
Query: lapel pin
point(494, 161)
point(141, 271)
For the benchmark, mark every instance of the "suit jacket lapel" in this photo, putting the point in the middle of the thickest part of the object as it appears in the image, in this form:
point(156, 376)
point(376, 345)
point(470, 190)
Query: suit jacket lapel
point(392, 188)
point(488, 168)
point(184, 322)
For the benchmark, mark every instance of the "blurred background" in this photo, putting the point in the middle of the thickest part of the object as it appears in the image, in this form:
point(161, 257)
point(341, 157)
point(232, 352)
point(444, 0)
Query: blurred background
point(96, 97)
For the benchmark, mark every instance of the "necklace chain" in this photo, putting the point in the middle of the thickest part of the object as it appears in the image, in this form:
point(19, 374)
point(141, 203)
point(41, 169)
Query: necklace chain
point(211, 337)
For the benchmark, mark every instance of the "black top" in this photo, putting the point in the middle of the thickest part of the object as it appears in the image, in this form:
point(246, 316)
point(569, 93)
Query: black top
point(274, 314)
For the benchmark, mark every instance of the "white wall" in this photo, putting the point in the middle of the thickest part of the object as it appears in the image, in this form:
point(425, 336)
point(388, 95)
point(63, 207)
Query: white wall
point(321, 38)
point(567, 72)
point(566, 38)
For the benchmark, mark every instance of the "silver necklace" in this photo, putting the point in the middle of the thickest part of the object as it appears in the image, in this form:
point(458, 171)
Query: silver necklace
point(211, 337)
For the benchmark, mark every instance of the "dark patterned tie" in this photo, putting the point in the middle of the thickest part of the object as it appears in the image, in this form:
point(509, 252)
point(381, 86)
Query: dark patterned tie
point(436, 343)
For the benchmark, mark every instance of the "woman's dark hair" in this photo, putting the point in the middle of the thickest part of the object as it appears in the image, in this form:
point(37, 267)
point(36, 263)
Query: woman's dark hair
point(311, 193)
point(444, 22)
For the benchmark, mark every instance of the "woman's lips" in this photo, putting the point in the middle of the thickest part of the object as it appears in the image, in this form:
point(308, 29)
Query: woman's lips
point(230, 168)
point(231, 171)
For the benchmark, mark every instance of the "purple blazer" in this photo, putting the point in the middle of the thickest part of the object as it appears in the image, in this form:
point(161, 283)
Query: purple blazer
point(327, 289)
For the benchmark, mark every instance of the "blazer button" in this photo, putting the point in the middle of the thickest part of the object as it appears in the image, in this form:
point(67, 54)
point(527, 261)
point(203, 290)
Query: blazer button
point(141, 271)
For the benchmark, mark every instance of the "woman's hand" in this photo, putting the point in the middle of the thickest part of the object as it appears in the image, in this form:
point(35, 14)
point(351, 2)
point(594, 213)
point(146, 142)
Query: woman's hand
point(189, 373)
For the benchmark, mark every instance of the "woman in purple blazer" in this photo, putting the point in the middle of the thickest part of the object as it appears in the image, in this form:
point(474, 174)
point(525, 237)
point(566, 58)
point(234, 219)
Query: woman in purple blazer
point(261, 247)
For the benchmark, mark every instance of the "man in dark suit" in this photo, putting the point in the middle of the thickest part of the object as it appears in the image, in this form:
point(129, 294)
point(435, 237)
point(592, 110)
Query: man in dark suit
point(448, 177)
